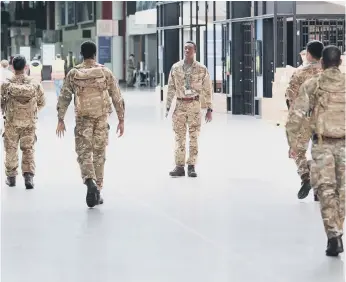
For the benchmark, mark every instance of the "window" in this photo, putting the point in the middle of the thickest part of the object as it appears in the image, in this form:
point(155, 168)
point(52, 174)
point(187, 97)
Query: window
point(71, 13)
point(63, 13)
point(85, 11)
point(145, 5)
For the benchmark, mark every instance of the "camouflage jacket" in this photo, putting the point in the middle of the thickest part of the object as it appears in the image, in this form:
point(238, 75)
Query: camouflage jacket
point(22, 78)
point(302, 74)
point(199, 80)
point(304, 104)
point(68, 90)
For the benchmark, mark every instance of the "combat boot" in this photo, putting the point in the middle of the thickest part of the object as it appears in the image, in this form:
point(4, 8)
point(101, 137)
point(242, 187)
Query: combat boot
point(92, 196)
point(29, 180)
point(316, 199)
point(178, 171)
point(11, 181)
point(305, 188)
point(191, 171)
point(334, 247)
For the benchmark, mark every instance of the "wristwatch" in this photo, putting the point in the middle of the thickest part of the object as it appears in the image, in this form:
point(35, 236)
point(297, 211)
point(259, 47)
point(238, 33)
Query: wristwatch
point(209, 110)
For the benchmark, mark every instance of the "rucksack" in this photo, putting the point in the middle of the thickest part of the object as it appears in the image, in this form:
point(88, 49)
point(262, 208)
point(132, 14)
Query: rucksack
point(329, 113)
point(21, 105)
point(91, 95)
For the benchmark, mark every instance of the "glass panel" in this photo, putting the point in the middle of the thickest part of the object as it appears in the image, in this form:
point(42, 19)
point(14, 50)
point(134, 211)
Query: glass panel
point(145, 5)
point(85, 11)
point(71, 16)
point(62, 12)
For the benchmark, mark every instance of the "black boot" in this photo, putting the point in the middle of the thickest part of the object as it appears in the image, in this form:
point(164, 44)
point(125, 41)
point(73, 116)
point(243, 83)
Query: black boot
point(334, 247)
point(305, 188)
point(191, 171)
point(92, 197)
point(11, 181)
point(178, 171)
point(29, 180)
point(316, 199)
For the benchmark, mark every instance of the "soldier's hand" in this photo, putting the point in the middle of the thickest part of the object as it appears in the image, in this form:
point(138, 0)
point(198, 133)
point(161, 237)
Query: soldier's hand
point(208, 116)
point(60, 129)
point(120, 128)
point(292, 154)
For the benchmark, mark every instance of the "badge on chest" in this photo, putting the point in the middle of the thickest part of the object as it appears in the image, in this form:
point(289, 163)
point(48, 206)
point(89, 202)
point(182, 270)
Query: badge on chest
point(188, 92)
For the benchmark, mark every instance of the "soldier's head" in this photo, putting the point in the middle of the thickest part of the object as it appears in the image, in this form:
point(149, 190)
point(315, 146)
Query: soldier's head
point(314, 51)
point(189, 49)
point(4, 64)
point(331, 57)
point(88, 50)
point(19, 63)
point(58, 56)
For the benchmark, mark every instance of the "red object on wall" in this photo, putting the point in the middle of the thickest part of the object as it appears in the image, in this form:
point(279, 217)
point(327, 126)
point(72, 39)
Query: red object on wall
point(107, 10)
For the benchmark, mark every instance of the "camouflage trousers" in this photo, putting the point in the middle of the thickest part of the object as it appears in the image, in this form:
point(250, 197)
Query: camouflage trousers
point(130, 78)
point(186, 116)
point(91, 139)
point(329, 159)
point(26, 138)
point(300, 159)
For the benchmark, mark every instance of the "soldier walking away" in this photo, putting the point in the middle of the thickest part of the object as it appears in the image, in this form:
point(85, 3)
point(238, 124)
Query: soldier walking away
point(21, 99)
point(130, 70)
point(190, 82)
point(323, 98)
point(93, 86)
point(312, 67)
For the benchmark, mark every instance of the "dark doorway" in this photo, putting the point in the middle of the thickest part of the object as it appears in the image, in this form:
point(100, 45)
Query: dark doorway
point(242, 68)
point(289, 42)
point(268, 58)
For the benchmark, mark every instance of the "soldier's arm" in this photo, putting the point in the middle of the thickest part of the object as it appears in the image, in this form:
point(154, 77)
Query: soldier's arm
point(293, 88)
point(171, 90)
point(207, 87)
point(297, 115)
point(115, 94)
point(65, 96)
point(41, 100)
point(3, 97)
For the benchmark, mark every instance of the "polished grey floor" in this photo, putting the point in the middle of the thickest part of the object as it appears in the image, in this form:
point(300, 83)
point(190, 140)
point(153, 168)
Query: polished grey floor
point(239, 221)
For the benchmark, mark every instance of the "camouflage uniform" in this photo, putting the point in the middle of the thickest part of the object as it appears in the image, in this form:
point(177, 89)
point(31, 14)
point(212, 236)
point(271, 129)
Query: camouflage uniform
point(328, 156)
point(20, 129)
point(91, 133)
point(296, 81)
point(187, 112)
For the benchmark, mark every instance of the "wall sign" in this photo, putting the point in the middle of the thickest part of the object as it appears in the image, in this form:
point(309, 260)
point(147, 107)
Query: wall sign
point(104, 49)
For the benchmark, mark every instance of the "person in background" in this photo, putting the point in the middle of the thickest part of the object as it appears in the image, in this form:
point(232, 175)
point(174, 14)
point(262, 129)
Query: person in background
point(58, 73)
point(35, 69)
point(130, 69)
point(5, 73)
point(322, 98)
point(313, 55)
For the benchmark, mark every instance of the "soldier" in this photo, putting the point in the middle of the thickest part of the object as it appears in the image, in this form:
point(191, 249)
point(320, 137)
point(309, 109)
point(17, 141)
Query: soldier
point(323, 98)
point(130, 69)
point(190, 82)
point(313, 66)
point(21, 99)
point(92, 85)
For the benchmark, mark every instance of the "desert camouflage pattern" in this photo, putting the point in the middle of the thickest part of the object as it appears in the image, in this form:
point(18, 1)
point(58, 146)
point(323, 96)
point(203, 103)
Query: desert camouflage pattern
point(91, 138)
point(328, 154)
point(91, 131)
point(26, 138)
point(187, 114)
point(70, 88)
point(329, 159)
point(302, 74)
point(130, 69)
point(21, 98)
point(200, 83)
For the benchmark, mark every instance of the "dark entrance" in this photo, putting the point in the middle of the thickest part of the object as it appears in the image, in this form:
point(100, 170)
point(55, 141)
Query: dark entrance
point(243, 68)
point(268, 57)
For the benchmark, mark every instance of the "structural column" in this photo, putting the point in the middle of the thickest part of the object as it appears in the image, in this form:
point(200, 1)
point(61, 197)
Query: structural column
point(171, 37)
